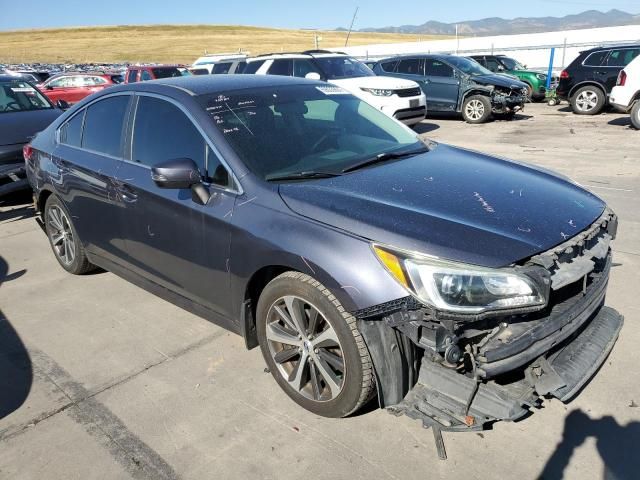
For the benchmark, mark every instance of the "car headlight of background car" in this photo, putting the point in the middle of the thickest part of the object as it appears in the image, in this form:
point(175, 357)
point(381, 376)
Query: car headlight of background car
point(460, 288)
point(378, 92)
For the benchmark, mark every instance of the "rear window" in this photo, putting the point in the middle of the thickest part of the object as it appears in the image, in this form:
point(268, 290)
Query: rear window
point(388, 66)
point(103, 125)
point(166, 72)
point(595, 59)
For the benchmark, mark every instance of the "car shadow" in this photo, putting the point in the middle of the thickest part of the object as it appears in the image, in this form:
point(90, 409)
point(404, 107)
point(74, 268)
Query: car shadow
point(16, 372)
point(616, 444)
point(423, 127)
point(16, 206)
point(624, 121)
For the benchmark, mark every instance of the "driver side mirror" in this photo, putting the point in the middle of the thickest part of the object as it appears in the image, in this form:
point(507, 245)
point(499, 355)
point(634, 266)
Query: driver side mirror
point(62, 104)
point(180, 173)
point(313, 76)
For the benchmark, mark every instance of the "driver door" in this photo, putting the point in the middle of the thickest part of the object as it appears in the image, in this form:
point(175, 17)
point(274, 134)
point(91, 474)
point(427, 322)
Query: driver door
point(169, 238)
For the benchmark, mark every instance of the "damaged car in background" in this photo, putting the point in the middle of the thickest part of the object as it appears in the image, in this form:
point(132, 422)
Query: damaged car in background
point(458, 287)
point(460, 85)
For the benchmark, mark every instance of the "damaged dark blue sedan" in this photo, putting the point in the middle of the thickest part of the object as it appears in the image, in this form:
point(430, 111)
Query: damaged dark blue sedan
point(457, 287)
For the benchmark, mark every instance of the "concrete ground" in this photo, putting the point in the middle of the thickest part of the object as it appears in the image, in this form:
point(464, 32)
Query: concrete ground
point(99, 379)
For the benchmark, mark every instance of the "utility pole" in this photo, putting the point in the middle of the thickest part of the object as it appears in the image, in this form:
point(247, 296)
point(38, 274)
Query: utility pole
point(351, 26)
point(457, 40)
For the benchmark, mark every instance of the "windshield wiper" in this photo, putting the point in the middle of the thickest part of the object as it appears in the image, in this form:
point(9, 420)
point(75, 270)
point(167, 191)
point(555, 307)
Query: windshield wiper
point(302, 176)
point(383, 157)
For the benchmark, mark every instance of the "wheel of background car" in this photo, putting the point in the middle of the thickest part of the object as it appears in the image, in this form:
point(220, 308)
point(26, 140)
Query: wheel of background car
point(312, 346)
point(588, 100)
point(635, 115)
point(476, 109)
point(529, 92)
point(63, 238)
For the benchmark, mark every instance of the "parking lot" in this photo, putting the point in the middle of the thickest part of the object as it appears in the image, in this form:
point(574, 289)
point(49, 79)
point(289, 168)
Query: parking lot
point(104, 380)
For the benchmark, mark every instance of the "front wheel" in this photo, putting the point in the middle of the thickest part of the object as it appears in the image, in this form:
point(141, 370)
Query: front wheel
point(476, 109)
point(635, 115)
point(313, 347)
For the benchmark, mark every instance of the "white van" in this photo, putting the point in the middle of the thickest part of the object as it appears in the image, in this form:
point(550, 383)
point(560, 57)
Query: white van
point(625, 95)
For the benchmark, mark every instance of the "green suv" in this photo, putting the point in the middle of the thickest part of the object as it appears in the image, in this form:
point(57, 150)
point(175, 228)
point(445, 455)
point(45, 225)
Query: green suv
point(536, 82)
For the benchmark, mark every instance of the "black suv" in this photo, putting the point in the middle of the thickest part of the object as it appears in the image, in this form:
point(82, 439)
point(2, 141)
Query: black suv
point(587, 82)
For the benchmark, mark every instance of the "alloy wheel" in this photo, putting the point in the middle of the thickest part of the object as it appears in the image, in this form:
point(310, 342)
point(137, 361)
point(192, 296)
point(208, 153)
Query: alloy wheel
point(305, 348)
point(61, 235)
point(474, 109)
point(587, 100)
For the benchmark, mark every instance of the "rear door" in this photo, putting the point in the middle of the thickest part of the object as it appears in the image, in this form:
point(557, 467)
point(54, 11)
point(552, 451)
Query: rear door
point(89, 149)
point(170, 239)
point(59, 89)
point(442, 86)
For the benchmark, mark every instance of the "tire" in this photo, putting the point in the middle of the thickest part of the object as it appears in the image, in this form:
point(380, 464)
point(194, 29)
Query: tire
point(588, 100)
point(635, 115)
point(476, 109)
point(336, 392)
point(63, 238)
point(530, 92)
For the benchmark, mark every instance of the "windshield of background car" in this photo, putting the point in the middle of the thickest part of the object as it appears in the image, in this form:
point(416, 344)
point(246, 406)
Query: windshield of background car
point(17, 96)
point(277, 131)
point(335, 68)
point(511, 63)
point(166, 72)
point(470, 67)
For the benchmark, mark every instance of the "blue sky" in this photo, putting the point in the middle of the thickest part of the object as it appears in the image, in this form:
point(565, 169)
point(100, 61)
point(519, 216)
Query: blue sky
point(281, 13)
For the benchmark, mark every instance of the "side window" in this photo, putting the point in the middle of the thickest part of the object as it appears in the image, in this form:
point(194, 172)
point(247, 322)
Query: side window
point(131, 76)
point(103, 125)
point(221, 68)
point(145, 75)
point(622, 57)
point(492, 64)
point(60, 82)
point(436, 68)
point(163, 132)
point(240, 66)
point(411, 66)
point(388, 66)
point(595, 59)
point(301, 67)
point(481, 60)
point(281, 67)
point(71, 132)
point(253, 67)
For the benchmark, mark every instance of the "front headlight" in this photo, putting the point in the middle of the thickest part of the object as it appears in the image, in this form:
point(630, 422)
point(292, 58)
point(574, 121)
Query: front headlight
point(461, 288)
point(378, 92)
point(541, 76)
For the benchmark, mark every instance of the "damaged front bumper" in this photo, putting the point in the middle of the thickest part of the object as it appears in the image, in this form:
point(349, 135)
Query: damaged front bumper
point(462, 375)
point(505, 102)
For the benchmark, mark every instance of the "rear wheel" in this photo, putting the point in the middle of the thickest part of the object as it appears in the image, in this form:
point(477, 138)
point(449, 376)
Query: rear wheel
point(313, 347)
point(635, 115)
point(63, 238)
point(588, 100)
point(476, 109)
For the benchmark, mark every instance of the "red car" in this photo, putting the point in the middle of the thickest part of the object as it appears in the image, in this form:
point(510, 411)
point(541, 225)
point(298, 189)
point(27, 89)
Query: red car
point(73, 87)
point(154, 72)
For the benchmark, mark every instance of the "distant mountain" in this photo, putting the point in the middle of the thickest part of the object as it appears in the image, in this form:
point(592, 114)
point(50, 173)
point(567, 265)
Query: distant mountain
point(501, 26)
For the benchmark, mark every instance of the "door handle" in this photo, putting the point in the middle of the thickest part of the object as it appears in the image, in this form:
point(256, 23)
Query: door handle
point(127, 193)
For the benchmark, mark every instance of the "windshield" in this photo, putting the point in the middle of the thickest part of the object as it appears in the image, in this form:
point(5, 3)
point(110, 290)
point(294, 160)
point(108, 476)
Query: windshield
point(468, 66)
point(280, 131)
point(511, 63)
point(17, 96)
point(343, 67)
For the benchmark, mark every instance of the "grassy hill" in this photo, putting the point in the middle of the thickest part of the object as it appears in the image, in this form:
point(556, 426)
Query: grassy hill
point(169, 43)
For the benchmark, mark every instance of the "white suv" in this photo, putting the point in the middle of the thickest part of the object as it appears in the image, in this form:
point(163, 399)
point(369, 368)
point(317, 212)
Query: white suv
point(625, 95)
point(397, 97)
point(221, 63)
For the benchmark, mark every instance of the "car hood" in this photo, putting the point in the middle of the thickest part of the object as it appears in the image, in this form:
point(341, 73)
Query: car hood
point(386, 83)
point(452, 203)
point(20, 127)
point(498, 80)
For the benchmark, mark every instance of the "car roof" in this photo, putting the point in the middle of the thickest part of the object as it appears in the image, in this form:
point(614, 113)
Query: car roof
point(305, 54)
point(440, 56)
point(15, 78)
point(611, 47)
point(211, 84)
